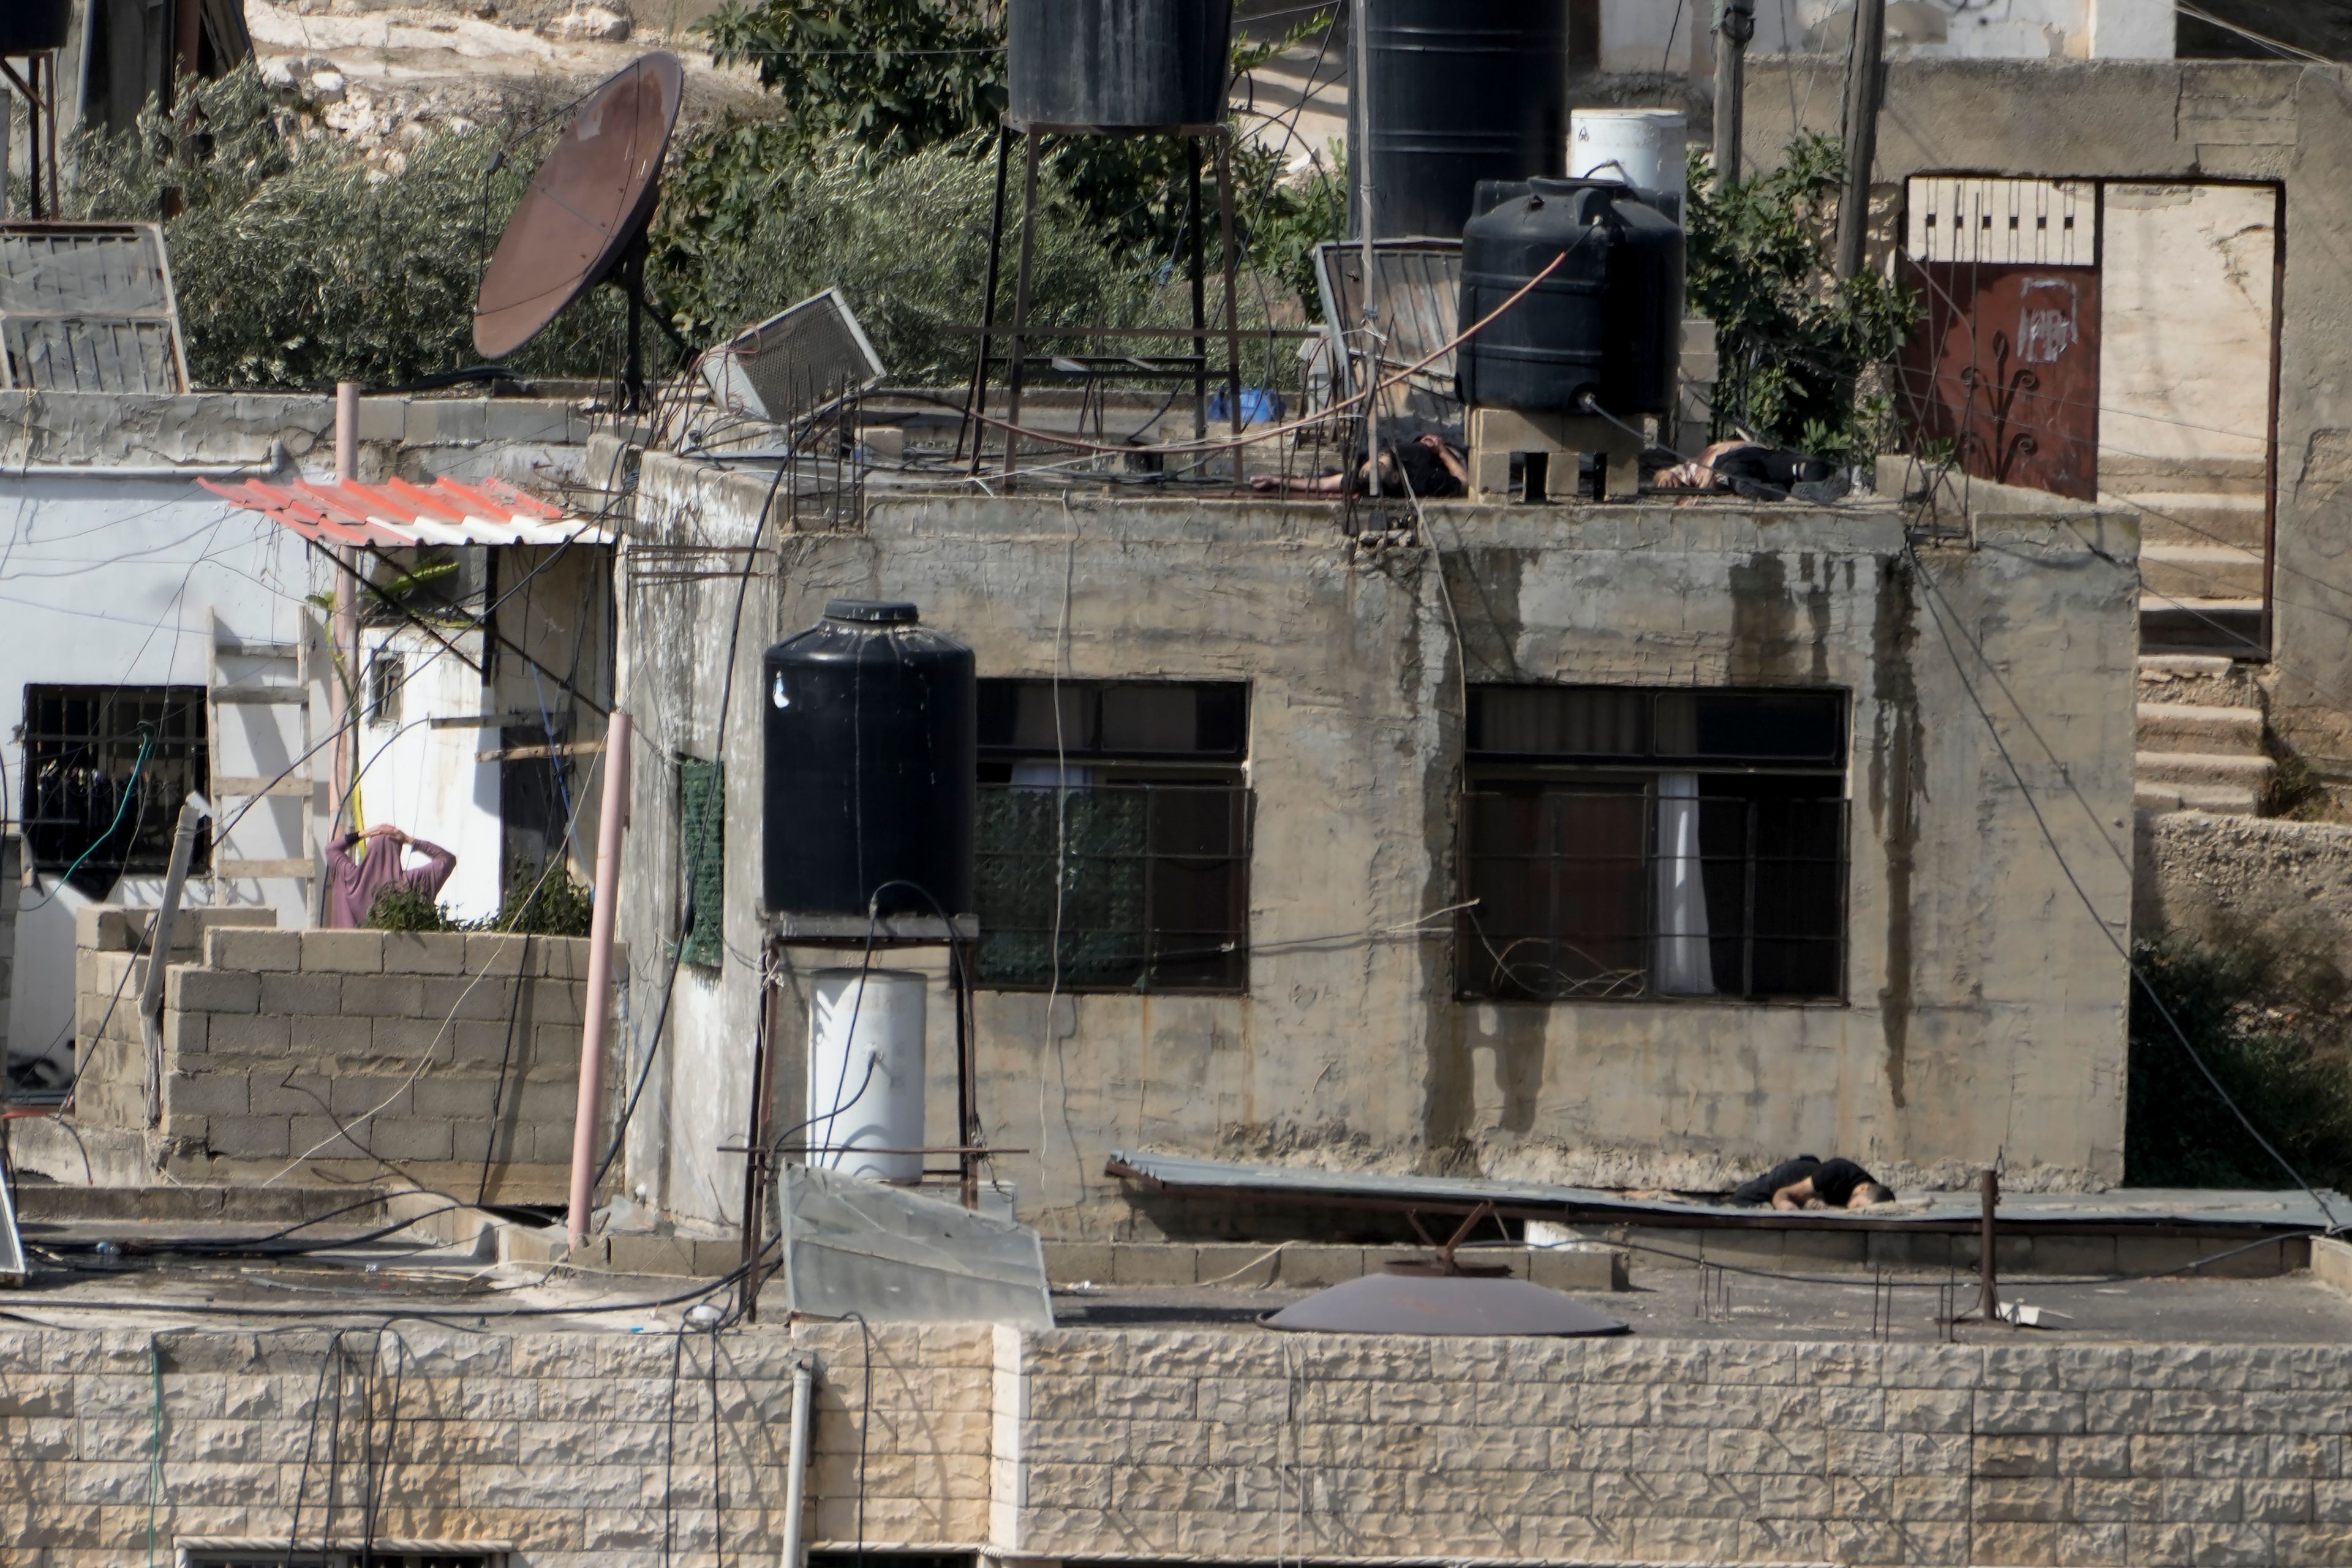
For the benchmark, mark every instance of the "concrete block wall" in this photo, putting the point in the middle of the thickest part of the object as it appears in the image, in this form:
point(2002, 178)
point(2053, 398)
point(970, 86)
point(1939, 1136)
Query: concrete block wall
point(350, 1050)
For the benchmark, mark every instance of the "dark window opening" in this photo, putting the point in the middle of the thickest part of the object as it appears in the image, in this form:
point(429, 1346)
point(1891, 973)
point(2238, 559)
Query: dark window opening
point(1625, 843)
point(393, 1554)
point(106, 768)
point(1112, 850)
point(386, 676)
point(702, 816)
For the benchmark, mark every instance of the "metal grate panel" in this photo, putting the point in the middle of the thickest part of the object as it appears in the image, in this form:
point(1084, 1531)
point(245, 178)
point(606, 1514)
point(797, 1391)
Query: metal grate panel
point(2038, 223)
point(89, 308)
point(808, 355)
point(1421, 308)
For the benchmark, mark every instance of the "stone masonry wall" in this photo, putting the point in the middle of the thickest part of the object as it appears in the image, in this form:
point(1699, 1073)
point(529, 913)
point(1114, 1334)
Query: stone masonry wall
point(1176, 1446)
point(357, 1048)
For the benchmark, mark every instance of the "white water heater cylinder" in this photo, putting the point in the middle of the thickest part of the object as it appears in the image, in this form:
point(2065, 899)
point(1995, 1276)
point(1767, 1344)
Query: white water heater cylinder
point(1644, 148)
point(865, 1074)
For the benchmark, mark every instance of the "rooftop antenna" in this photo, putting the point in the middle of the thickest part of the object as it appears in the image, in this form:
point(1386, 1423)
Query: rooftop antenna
point(583, 221)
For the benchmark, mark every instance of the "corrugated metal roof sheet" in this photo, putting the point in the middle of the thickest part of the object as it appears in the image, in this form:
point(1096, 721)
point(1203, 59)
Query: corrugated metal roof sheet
point(88, 307)
point(1420, 306)
point(397, 514)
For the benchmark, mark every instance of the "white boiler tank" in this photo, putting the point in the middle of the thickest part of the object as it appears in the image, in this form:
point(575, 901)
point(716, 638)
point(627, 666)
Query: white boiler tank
point(866, 1073)
point(1645, 148)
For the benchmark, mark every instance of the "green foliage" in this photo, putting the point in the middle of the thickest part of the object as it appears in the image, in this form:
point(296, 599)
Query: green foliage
point(2272, 1029)
point(297, 264)
point(554, 905)
point(1799, 349)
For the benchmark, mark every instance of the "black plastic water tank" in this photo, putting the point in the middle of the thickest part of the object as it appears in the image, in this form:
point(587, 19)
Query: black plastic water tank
point(1119, 65)
point(1607, 321)
point(29, 26)
point(1462, 91)
point(872, 742)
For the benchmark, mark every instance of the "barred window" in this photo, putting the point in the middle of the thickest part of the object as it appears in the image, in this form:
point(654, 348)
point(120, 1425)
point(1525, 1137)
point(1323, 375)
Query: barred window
point(106, 768)
point(702, 816)
point(1627, 843)
point(383, 1555)
point(1113, 836)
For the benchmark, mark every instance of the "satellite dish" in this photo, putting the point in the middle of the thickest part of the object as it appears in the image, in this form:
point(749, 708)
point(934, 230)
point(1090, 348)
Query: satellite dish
point(585, 213)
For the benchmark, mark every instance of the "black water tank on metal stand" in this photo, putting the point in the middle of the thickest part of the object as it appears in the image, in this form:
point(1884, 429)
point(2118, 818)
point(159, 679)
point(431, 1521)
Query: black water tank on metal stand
point(1607, 321)
point(30, 26)
point(1462, 90)
point(1119, 65)
point(872, 747)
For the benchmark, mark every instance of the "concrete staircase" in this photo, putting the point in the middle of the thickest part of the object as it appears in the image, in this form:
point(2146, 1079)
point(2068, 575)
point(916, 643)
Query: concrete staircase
point(2200, 736)
point(2203, 553)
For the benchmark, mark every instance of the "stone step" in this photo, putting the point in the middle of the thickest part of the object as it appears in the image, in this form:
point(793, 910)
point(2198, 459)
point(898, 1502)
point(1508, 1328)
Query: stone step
point(2124, 473)
point(2204, 768)
point(2194, 517)
point(2179, 624)
point(2201, 571)
point(2220, 800)
point(2200, 727)
point(2204, 679)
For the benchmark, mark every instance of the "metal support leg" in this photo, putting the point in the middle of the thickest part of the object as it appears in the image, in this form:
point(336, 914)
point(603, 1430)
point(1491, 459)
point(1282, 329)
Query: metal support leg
point(961, 957)
point(1200, 294)
point(1233, 290)
point(978, 403)
point(1021, 300)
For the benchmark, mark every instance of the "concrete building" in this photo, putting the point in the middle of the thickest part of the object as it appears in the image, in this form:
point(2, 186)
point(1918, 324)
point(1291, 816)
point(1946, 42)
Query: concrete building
point(1893, 963)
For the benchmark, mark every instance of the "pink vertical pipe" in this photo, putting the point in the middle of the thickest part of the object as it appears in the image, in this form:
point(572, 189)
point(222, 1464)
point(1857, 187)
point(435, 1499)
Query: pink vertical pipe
point(345, 630)
point(611, 822)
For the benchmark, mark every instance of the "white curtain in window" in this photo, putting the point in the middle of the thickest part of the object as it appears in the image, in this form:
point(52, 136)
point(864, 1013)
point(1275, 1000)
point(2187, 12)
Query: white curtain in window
point(1051, 775)
point(1681, 965)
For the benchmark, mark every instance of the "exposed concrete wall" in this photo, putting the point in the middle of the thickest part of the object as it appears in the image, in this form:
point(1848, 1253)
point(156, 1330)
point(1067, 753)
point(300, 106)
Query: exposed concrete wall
point(12, 888)
point(620, 1449)
point(355, 1054)
point(2173, 122)
point(1984, 1010)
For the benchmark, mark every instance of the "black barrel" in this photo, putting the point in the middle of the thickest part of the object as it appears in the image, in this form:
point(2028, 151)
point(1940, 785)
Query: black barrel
point(1607, 321)
point(1462, 91)
point(872, 737)
point(1119, 65)
point(29, 26)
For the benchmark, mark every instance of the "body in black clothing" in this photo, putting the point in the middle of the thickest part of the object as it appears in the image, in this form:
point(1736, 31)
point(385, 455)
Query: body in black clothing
point(1424, 474)
point(1786, 1174)
point(1834, 1183)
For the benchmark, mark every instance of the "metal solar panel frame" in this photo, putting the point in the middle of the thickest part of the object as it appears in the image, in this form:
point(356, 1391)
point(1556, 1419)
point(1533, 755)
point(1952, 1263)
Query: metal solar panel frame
point(1420, 303)
point(752, 374)
point(143, 315)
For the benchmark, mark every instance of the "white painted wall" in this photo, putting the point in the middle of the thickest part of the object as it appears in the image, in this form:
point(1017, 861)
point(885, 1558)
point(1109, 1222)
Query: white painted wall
point(1634, 33)
point(109, 580)
point(424, 778)
point(2186, 280)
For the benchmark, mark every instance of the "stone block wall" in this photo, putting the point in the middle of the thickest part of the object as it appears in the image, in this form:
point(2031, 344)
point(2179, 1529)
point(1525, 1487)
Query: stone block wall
point(350, 1051)
point(597, 1446)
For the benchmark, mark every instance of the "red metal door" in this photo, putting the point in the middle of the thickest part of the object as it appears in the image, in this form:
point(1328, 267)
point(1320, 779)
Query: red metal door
point(2005, 365)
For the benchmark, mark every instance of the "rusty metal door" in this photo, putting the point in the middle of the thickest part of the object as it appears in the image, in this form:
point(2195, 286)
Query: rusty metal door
point(2005, 361)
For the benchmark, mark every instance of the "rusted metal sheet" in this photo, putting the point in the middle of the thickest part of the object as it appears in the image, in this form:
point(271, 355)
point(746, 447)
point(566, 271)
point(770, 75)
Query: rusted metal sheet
point(88, 307)
point(2005, 365)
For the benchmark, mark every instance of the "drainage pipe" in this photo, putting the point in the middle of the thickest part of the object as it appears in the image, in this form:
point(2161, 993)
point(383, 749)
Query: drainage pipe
point(611, 821)
point(797, 1472)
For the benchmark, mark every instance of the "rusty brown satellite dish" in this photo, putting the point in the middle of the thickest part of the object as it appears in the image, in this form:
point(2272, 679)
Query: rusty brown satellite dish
point(587, 206)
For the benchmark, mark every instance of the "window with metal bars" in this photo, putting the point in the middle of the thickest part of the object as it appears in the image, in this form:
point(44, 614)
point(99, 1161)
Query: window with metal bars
point(106, 768)
point(1112, 843)
point(1641, 844)
point(392, 1554)
point(702, 816)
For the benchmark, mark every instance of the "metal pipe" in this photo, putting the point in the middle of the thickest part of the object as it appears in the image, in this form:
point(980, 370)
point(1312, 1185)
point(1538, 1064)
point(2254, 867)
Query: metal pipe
point(796, 1470)
point(612, 819)
point(347, 431)
point(1738, 26)
point(1360, 96)
point(1991, 1187)
point(1865, 85)
point(193, 811)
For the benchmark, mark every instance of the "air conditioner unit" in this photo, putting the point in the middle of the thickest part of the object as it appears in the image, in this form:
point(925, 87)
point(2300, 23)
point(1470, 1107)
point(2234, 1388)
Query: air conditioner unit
point(791, 363)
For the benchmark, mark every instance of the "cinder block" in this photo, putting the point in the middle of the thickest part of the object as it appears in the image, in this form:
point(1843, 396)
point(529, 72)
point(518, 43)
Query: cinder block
point(259, 949)
point(343, 952)
point(424, 952)
point(496, 955)
point(471, 1142)
point(1317, 1264)
point(252, 1137)
point(294, 993)
point(205, 1094)
point(528, 419)
point(382, 996)
point(406, 1039)
point(383, 420)
point(189, 989)
point(477, 1042)
point(248, 1034)
point(287, 1093)
point(554, 1042)
point(405, 1138)
point(316, 1038)
point(558, 1001)
point(1152, 1263)
point(554, 1102)
point(1082, 1262)
point(469, 997)
point(1230, 1265)
point(1588, 1267)
point(184, 1034)
point(322, 1139)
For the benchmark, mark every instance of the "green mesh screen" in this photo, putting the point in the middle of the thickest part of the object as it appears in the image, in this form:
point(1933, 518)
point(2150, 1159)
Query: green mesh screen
point(702, 812)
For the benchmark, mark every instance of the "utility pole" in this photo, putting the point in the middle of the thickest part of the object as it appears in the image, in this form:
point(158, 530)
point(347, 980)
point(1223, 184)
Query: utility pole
point(1866, 84)
point(1736, 28)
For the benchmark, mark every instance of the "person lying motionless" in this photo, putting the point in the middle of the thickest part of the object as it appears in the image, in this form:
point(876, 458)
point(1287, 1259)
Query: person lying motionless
point(1430, 468)
point(1809, 1182)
